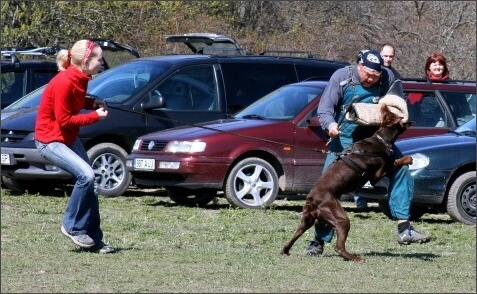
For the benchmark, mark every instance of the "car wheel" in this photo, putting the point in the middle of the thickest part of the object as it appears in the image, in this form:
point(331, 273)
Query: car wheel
point(252, 183)
point(190, 197)
point(461, 199)
point(109, 166)
point(32, 186)
point(415, 213)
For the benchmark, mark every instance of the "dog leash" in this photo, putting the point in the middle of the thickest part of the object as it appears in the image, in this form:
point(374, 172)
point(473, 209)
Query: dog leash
point(219, 131)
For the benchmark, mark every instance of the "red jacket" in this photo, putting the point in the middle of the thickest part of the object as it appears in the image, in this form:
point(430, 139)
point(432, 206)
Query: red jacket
point(58, 118)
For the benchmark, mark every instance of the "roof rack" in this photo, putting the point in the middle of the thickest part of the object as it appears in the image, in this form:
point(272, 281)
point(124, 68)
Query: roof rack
point(221, 51)
point(12, 52)
point(30, 51)
point(295, 53)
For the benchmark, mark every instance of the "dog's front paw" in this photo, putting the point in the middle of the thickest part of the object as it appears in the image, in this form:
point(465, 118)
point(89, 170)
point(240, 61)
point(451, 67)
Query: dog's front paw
point(403, 161)
point(407, 159)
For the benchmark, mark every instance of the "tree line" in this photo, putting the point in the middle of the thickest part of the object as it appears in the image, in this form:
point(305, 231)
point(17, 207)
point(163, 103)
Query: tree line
point(328, 29)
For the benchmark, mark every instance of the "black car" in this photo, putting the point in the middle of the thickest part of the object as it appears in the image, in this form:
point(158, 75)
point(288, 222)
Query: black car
point(27, 69)
point(150, 94)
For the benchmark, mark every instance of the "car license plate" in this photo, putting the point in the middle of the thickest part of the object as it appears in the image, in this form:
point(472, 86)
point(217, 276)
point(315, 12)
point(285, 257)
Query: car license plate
point(368, 185)
point(144, 163)
point(5, 159)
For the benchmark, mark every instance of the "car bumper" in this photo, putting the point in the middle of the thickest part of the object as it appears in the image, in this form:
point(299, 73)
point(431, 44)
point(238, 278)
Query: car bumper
point(192, 173)
point(26, 163)
point(429, 187)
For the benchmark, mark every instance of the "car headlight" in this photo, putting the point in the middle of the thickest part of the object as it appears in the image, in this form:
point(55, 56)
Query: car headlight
point(185, 146)
point(419, 161)
point(136, 146)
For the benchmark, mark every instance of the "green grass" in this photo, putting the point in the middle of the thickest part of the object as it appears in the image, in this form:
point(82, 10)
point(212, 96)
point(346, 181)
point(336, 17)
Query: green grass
point(163, 247)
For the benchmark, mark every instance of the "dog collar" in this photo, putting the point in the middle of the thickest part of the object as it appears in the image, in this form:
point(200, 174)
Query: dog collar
point(390, 151)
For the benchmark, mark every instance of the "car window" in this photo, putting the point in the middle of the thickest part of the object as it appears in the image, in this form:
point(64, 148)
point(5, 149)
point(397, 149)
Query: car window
point(471, 100)
point(13, 84)
point(118, 84)
point(425, 110)
point(462, 105)
point(31, 99)
point(282, 104)
point(190, 88)
point(246, 82)
point(42, 77)
point(467, 127)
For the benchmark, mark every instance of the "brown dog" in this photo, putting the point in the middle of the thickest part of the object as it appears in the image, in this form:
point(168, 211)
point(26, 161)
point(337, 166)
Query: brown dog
point(366, 160)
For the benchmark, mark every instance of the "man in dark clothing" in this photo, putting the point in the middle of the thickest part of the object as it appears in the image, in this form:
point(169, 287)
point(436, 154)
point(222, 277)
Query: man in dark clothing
point(388, 55)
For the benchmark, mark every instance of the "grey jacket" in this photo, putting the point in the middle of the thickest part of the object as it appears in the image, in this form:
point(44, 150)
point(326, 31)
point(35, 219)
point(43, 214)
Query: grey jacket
point(333, 93)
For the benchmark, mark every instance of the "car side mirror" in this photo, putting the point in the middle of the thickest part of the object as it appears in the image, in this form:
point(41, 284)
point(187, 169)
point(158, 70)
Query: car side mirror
point(313, 122)
point(156, 100)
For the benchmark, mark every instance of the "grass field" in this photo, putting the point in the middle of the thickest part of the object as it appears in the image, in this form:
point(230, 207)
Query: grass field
point(163, 247)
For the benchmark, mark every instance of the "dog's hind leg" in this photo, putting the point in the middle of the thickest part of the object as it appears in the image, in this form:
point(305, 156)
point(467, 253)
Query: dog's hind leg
point(336, 216)
point(307, 221)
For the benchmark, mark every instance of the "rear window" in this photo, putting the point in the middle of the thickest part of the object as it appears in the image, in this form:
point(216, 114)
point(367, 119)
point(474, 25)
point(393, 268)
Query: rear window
point(13, 85)
point(190, 88)
point(245, 83)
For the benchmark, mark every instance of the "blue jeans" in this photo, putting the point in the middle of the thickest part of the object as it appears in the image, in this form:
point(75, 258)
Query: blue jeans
point(82, 212)
point(400, 191)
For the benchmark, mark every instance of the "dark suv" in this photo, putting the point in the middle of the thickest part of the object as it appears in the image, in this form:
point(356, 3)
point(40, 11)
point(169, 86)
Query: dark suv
point(150, 94)
point(21, 76)
point(26, 69)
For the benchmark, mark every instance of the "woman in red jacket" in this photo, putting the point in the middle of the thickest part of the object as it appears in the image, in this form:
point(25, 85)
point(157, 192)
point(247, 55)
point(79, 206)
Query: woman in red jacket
point(436, 71)
point(56, 137)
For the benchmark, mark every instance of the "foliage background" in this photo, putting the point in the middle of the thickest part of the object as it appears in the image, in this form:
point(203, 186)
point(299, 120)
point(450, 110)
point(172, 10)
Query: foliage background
point(328, 29)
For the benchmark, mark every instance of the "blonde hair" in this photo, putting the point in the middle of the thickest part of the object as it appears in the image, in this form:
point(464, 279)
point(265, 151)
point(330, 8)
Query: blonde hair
point(77, 55)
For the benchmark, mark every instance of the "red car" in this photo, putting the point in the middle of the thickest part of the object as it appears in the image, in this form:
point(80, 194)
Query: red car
point(274, 146)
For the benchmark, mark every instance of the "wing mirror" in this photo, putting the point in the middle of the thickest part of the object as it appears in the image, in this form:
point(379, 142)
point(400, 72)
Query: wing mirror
point(156, 100)
point(313, 122)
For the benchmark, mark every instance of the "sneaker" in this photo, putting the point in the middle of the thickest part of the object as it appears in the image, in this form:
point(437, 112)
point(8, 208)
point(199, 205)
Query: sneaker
point(410, 235)
point(83, 241)
point(316, 248)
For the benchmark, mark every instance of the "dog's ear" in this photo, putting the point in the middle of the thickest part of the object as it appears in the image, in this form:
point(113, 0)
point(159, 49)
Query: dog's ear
point(389, 118)
point(384, 109)
point(385, 112)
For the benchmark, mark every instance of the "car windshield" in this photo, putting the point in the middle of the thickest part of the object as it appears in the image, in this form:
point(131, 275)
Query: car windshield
point(31, 99)
point(115, 85)
point(282, 104)
point(467, 128)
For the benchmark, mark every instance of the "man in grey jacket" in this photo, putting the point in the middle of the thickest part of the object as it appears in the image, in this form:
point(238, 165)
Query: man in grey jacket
point(364, 82)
